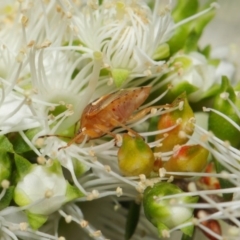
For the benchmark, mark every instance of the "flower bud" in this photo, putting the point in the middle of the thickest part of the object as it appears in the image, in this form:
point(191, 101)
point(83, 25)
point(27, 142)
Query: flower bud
point(180, 117)
point(35, 185)
point(165, 213)
point(211, 224)
point(135, 157)
point(120, 76)
point(214, 226)
point(43, 186)
point(192, 73)
point(188, 159)
point(210, 182)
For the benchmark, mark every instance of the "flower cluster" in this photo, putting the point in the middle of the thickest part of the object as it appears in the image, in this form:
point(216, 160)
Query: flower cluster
point(100, 134)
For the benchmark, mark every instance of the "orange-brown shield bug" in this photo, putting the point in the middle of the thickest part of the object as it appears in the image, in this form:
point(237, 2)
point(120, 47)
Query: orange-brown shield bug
point(108, 112)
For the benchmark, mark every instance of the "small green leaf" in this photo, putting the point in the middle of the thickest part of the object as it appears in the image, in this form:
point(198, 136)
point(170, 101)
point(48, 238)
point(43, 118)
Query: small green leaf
point(191, 42)
point(161, 228)
point(19, 145)
point(187, 35)
point(5, 144)
point(36, 220)
point(55, 168)
point(211, 92)
point(7, 198)
point(186, 237)
point(120, 76)
point(206, 51)
point(183, 86)
point(5, 165)
point(73, 193)
point(184, 9)
point(224, 183)
point(79, 168)
point(162, 52)
point(188, 231)
point(221, 127)
point(152, 127)
point(132, 219)
point(23, 165)
point(178, 40)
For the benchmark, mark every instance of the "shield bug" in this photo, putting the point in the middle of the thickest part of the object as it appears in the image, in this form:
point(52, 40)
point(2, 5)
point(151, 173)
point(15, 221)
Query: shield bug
point(108, 112)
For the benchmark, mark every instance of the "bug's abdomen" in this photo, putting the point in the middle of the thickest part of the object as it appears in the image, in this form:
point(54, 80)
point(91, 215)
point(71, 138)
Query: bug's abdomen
point(123, 109)
point(98, 120)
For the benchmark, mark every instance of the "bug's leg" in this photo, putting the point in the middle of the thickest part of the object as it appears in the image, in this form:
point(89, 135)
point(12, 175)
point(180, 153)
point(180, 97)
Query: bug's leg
point(117, 123)
point(142, 113)
point(79, 136)
point(76, 127)
point(54, 135)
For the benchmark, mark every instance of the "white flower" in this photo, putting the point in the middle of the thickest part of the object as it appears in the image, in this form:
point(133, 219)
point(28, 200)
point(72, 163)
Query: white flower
point(228, 62)
point(57, 95)
point(121, 30)
point(196, 71)
point(44, 188)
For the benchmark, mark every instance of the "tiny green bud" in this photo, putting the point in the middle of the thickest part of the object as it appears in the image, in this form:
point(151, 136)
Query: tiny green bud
point(120, 76)
point(165, 213)
point(45, 183)
point(135, 157)
point(44, 186)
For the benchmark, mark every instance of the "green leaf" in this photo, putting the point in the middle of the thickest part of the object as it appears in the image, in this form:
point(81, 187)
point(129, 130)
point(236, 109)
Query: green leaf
point(161, 227)
point(5, 165)
point(132, 219)
point(19, 145)
point(191, 43)
point(184, 9)
point(187, 35)
point(221, 127)
point(178, 40)
point(73, 193)
point(5, 144)
point(36, 220)
point(186, 237)
point(188, 231)
point(55, 168)
point(162, 52)
point(79, 168)
point(23, 165)
point(152, 127)
point(224, 183)
point(7, 198)
point(201, 22)
point(206, 51)
point(183, 86)
point(211, 92)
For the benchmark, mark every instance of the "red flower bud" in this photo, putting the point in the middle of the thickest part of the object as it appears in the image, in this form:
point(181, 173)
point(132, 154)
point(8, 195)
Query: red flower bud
point(188, 159)
point(182, 118)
